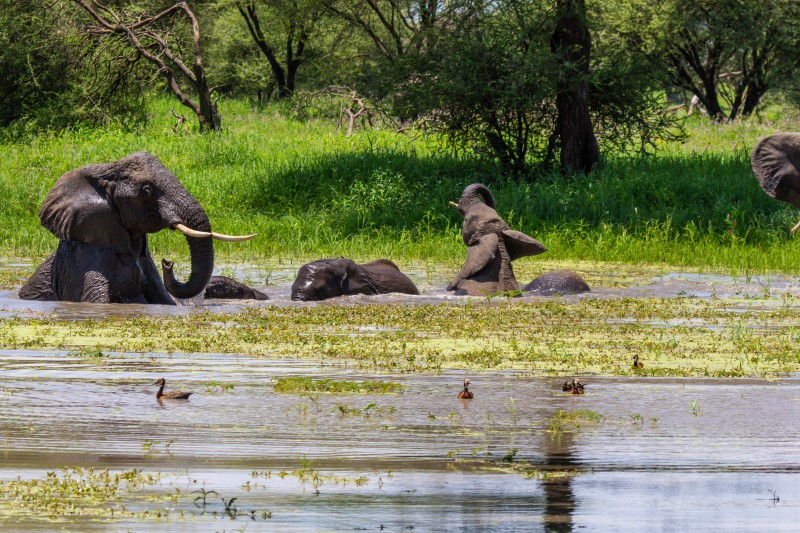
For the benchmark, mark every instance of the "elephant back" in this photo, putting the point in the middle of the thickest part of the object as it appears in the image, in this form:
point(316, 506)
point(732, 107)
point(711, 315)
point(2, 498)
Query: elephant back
point(776, 165)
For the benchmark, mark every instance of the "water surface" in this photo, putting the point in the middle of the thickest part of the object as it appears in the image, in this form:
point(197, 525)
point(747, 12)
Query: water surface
point(669, 454)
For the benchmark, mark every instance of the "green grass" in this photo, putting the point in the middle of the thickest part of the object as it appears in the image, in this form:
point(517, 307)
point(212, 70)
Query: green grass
point(331, 386)
point(309, 191)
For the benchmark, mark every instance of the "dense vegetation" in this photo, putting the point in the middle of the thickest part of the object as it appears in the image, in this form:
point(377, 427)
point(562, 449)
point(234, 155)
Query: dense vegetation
point(308, 190)
point(438, 96)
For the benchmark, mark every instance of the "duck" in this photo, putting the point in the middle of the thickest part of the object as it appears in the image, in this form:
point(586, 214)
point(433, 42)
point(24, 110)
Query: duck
point(465, 394)
point(636, 363)
point(174, 395)
point(573, 387)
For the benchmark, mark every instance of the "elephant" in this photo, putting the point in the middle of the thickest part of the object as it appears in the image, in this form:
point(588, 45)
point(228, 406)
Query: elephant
point(229, 288)
point(776, 164)
point(329, 278)
point(102, 214)
point(491, 246)
point(557, 282)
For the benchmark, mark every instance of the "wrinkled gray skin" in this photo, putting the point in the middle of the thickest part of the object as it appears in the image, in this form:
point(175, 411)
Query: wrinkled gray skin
point(776, 164)
point(102, 214)
point(328, 278)
point(229, 288)
point(556, 283)
point(491, 246)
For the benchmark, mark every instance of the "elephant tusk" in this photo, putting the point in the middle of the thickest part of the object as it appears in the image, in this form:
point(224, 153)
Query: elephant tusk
point(189, 232)
point(231, 238)
point(797, 226)
point(453, 204)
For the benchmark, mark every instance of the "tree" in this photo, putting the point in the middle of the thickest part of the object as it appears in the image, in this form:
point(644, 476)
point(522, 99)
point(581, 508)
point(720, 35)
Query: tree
point(727, 53)
point(571, 44)
point(156, 39)
point(298, 20)
point(514, 80)
point(52, 76)
point(397, 27)
point(487, 85)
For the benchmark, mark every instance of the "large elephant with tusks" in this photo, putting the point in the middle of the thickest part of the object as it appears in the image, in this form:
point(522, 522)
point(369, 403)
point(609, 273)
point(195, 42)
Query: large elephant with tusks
point(102, 213)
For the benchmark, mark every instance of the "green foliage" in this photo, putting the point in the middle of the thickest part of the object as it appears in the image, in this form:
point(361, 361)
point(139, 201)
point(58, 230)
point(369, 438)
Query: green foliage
point(52, 77)
point(331, 386)
point(490, 87)
point(74, 492)
point(728, 53)
point(563, 421)
point(309, 192)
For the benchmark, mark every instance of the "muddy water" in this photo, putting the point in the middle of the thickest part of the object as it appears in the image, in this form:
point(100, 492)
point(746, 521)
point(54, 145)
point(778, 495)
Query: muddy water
point(738, 292)
point(667, 454)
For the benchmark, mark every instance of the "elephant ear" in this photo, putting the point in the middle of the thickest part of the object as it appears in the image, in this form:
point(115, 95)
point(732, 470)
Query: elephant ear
point(776, 164)
point(520, 245)
point(480, 254)
point(79, 208)
point(355, 280)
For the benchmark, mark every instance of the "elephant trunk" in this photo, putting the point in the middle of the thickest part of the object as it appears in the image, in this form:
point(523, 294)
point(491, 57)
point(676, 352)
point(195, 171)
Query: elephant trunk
point(202, 251)
point(474, 193)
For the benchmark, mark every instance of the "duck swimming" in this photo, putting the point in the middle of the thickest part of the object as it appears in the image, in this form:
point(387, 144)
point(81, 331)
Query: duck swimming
point(465, 394)
point(174, 395)
point(636, 363)
point(573, 387)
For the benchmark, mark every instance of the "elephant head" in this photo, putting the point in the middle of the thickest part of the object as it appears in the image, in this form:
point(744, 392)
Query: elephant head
point(102, 214)
point(329, 278)
point(776, 164)
point(224, 287)
point(491, 245)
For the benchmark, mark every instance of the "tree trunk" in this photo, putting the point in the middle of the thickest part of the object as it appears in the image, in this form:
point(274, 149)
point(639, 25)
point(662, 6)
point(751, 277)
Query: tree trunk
point(209, 115)
point(571, 43)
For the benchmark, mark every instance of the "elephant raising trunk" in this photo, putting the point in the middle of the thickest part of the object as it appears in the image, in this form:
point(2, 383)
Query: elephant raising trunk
point(491, 246)
point(102, 214)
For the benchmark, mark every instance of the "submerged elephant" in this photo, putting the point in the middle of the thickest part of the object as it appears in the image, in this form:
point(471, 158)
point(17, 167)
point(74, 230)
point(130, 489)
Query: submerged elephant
point(223, 287)
point(491, 246)
point(328, 278)
point(102, 213)
point(557, 282)
point(776, 164)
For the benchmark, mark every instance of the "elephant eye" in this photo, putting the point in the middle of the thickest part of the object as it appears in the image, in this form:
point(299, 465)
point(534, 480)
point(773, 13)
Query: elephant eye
point(147, 189)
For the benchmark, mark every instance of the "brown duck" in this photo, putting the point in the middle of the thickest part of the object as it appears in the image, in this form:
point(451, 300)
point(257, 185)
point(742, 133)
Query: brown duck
point(636, 363)
point(465, 394)
point(573, 387)
point(174, 395)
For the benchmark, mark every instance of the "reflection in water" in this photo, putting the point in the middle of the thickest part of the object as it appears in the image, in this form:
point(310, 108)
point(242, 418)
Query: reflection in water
point(559, 497)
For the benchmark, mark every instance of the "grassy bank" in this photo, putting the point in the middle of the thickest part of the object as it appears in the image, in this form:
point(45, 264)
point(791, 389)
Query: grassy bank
point(309, 191)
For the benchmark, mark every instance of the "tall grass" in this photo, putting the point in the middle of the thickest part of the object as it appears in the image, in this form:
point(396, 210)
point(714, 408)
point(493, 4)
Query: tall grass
point(309, 191)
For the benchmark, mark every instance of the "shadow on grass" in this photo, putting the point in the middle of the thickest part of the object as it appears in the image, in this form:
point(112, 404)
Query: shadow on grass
point(698, 193)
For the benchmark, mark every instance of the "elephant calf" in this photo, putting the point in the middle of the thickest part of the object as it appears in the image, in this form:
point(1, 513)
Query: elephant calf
point(224, 287)
point(329, 278)
point(491, 246)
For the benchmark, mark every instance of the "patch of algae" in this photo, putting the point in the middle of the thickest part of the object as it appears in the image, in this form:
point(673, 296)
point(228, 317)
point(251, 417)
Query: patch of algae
point(673, 337)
